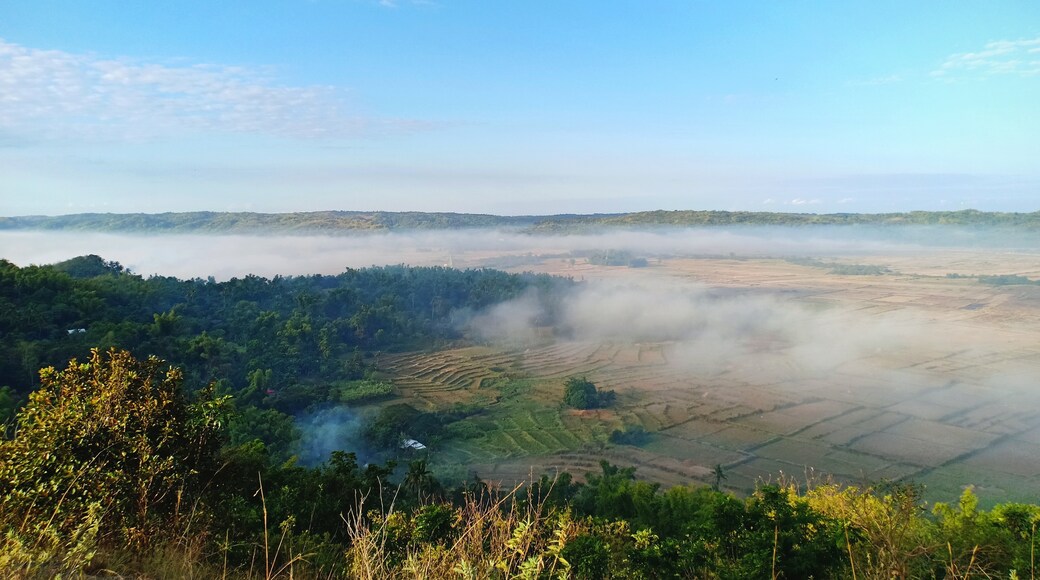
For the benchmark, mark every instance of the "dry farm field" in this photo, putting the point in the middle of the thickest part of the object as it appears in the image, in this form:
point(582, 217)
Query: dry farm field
point(946, 394)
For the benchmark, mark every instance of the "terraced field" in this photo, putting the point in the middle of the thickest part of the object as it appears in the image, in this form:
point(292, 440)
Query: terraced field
point(960, 406)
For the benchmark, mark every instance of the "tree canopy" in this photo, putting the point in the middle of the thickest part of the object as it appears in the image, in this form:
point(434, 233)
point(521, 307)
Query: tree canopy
point(580, 393)
point(112, 438)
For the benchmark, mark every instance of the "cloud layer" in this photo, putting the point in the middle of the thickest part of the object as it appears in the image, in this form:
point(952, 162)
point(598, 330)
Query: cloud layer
point(227, 256)
point(52, 94)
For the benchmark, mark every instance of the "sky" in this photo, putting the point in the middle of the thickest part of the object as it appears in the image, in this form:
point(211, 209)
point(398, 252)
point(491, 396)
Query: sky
point(523, 107)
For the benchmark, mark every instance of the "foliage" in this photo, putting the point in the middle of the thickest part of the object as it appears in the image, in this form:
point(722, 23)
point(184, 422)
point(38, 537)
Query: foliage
point(391, 425)
point(614, 258)
point(588, 556)
point(8, 404)
point(342, 520)
point(579, 393)
point(274, 429)
point(1007, 280)
point(111, 444)
point(630, 435)
point(859, 270)
point(986, 544)
point(90, 266)
point(842, 269)
point(487, 535)
point(353, 392)
point(286, 343)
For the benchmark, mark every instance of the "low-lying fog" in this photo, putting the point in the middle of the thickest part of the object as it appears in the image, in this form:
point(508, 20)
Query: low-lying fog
point(706, 329)
point(227, 256)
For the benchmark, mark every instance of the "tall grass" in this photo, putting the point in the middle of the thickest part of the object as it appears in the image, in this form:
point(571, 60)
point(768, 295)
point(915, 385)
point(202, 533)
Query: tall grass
point(493, 535)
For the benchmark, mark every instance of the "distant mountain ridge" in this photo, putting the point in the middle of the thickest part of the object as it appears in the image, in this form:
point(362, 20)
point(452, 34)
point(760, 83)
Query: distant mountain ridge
point(376, 221)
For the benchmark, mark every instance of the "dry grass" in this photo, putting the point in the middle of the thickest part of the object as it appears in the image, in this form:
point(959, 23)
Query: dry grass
point(496, 536)
point(180, 551)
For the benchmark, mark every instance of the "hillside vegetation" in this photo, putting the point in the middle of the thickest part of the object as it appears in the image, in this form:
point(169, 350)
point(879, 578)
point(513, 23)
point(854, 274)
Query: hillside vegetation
point(114, 470)
point(159, 428)
point(361, 222)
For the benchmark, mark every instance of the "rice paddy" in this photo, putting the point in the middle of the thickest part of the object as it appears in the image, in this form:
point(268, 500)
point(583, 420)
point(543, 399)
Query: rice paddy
point(961, 407)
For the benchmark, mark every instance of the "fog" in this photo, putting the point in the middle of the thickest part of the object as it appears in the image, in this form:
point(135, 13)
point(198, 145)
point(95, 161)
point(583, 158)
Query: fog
point(842, 380)
point(705, 327)
point(227, 256)
point(708, 330)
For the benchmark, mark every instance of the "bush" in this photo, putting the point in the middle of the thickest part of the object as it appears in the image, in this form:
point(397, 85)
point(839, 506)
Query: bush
point(8, 404)
point(632, 435)
point(434, 523)
point(388, 427)
point(115, 437)
point(363, 391)
point(579, 393)
point(588, 556)
point(1006, 280)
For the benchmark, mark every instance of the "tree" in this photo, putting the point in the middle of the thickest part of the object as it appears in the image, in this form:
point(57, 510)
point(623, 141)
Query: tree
point(112, 436)
point(630, 435)
point(718, 475)
point(579, 393)
point(419, 478)
point(8, 404)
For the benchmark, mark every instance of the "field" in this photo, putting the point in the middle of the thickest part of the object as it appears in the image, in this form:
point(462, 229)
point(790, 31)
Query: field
point(959, 406)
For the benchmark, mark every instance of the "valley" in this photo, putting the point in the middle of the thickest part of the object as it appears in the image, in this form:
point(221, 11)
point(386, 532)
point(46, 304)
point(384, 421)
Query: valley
point(951, 402)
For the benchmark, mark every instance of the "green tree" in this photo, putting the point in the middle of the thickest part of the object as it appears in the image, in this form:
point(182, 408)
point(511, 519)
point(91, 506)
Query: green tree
point(580, 393)
point(588, 556)
point(113, 436)
point(8, 404)
point(419, 478)
point(718, 475)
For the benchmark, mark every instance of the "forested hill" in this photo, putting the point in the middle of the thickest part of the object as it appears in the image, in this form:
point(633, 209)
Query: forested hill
point(246, 222)
point(361, 222)
point(294, 330)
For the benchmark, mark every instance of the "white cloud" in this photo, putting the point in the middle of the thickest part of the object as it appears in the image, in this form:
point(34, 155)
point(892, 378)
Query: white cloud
point(49, 94)
point(1007, 57)
point(802, 201)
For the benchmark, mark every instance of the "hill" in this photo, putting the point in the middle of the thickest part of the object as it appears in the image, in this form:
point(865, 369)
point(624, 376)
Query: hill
point(349, 222)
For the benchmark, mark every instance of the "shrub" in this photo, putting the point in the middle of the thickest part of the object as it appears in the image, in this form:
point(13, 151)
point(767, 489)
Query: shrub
point(579, 393)
point(363, 391)
point(113, 436)
point(632, 435)
point(588, 556)
point(1005, 280)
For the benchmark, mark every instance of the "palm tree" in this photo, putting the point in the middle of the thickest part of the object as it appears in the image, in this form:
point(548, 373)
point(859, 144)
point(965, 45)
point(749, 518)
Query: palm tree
point(418, 478)
point(719, 476)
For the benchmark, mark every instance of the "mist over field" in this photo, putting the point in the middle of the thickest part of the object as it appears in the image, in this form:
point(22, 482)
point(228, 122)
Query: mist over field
point(709, 331)
point(228, 256)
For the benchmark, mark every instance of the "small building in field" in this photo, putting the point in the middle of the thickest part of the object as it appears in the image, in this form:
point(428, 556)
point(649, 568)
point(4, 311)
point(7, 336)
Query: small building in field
point(412, 444)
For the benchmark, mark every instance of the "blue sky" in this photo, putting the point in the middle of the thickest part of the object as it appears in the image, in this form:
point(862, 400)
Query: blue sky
point(518, 107)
